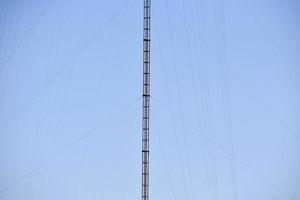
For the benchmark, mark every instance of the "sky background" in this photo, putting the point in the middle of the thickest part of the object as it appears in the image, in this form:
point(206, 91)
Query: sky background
point(225, 107)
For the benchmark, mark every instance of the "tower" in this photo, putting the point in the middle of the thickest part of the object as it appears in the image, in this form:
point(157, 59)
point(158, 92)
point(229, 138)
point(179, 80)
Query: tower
point(146, 100)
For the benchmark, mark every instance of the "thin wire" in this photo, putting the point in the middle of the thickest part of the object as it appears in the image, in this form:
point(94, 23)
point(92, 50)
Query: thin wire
point(37, 145)
point(67, 147)
point(255, 171)
point(3, 75)
point(51, 98)
point(2, 24)
point(38, 182)
point(63, 68)
point(164, 157)
point(27, 33)
point(169, 99)
point(180, 104)
point(245, 84)
point(204, 144)
point(269, 35)
point(225, 91)
point(193, 78)
point(206, 105)
point(206, 150)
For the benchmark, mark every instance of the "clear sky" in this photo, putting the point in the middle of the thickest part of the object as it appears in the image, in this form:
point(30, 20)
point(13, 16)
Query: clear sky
point(225, 107)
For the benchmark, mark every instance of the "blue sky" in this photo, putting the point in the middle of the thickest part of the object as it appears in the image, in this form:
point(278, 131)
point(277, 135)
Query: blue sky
point(225, 107)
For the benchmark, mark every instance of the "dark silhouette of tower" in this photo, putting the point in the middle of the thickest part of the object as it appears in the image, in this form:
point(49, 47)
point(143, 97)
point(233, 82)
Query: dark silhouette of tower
point(146, 100)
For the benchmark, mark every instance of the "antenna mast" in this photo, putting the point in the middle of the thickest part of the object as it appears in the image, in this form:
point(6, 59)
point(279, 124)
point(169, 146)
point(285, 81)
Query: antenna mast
point(146, 100)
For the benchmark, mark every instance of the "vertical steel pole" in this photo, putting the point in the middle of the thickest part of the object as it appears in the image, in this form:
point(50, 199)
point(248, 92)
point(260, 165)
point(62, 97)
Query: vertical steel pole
point(146, 100)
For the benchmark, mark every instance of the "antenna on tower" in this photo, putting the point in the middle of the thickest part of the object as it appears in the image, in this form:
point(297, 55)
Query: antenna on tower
point(146, 100)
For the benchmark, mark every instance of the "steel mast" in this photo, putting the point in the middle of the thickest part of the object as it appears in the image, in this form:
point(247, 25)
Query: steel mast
point(146, 100)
